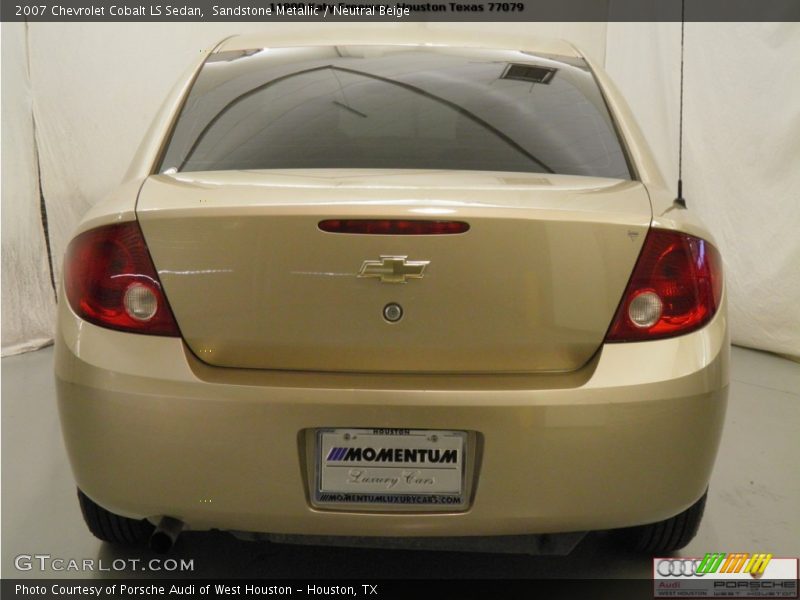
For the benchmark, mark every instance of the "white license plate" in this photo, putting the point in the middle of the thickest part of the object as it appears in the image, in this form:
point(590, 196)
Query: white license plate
point(390, 466)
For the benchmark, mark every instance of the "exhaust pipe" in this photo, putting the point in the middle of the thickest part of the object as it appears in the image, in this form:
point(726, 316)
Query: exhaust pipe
point(166, 533)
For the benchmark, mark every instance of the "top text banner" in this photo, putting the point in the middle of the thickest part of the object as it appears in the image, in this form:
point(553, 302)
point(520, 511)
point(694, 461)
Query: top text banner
point(412, 10)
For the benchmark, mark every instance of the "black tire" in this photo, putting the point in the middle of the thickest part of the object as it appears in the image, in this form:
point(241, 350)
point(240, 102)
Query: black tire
point(665, 536)
point(113, 528)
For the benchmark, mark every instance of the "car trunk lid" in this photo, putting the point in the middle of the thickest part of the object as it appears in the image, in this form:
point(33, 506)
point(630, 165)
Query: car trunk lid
point(255, 282)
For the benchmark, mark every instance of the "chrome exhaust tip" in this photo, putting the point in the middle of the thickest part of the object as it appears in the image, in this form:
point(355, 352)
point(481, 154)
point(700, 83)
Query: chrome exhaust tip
point(165, 535)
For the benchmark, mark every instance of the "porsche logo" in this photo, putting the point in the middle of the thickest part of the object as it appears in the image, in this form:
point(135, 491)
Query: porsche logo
point(393, 269)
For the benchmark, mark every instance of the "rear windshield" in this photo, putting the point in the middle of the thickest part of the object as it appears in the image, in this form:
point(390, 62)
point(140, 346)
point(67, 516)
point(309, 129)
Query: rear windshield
point(367, 107)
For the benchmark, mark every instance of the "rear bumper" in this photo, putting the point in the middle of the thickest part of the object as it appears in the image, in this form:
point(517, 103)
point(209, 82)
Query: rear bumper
point(631, 438)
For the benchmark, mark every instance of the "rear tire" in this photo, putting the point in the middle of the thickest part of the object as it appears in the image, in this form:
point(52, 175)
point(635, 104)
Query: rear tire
point(111, 527)
point(668, 535)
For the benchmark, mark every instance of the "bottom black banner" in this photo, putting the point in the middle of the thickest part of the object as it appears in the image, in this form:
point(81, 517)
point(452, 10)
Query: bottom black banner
point(374, 589)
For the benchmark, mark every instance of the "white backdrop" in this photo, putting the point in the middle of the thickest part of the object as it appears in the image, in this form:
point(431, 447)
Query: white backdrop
point(93, 89)
point(27, 296)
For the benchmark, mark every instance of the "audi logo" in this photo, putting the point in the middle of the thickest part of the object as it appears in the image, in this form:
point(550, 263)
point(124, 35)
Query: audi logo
point(679, 567)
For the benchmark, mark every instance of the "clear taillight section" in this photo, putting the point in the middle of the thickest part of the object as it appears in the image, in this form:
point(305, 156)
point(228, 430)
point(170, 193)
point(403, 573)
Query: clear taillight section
point(110, 281)
point(675, 288)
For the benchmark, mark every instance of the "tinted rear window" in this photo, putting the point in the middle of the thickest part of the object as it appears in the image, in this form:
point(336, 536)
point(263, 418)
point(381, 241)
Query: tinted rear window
point(395, 108)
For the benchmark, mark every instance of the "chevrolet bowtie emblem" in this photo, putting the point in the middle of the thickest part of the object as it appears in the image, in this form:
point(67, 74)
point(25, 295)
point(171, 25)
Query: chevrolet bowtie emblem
point(393, 269)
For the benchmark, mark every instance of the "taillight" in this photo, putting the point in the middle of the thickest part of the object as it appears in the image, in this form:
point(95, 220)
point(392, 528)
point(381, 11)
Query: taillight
point(675, 288)
point(110, 281)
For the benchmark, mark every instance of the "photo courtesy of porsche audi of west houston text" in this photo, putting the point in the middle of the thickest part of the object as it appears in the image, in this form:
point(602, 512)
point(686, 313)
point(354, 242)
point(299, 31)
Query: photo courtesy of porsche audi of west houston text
point(154, 590)
point(431, 290)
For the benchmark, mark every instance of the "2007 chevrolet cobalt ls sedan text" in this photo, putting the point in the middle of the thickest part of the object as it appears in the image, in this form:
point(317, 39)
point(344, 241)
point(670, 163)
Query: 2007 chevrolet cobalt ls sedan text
point(392, 292)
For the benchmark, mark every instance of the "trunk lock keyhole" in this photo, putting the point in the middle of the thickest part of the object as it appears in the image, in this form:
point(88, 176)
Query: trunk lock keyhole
point(393, 312)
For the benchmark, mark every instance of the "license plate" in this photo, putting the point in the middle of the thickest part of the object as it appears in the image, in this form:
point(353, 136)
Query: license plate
point(391, 467)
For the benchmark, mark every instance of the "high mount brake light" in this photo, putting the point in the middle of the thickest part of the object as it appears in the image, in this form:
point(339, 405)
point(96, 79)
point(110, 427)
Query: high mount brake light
point(393, 226)
point(676, 288)
point(111, 281)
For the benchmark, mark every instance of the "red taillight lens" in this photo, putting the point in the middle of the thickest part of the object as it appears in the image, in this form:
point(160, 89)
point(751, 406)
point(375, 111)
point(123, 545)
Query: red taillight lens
point(675, 288)
point(110, 281)
point(393, 226)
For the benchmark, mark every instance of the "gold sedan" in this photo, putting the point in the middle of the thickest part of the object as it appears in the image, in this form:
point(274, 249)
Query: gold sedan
point(393, 291)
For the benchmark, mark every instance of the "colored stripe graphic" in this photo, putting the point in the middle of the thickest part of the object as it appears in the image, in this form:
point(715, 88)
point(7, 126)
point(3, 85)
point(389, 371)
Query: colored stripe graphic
point(758, 563)
point(336, 453)
point(740, 563)
point(734, 562)
point(720, 562)
point(726, 565)
point(710, 562)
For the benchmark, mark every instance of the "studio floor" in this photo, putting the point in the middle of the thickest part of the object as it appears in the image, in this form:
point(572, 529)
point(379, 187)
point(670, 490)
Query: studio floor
point(753, 505)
